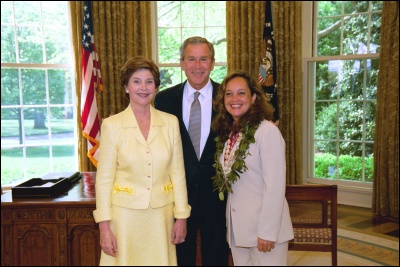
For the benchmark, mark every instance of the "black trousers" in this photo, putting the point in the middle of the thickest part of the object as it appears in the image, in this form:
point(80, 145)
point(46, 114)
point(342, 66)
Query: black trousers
point(210, 220)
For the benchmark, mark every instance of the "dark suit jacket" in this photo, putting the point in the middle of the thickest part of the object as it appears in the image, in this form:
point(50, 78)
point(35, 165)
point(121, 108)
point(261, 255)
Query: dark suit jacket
point(198, 172)
point(208, 211)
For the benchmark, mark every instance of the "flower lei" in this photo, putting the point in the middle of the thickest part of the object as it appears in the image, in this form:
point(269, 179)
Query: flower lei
point(221, 181)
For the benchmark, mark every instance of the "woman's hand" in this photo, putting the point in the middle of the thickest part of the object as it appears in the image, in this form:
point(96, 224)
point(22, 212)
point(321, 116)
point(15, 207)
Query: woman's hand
point(108, 242)
point(179, 231)
point(265, 245)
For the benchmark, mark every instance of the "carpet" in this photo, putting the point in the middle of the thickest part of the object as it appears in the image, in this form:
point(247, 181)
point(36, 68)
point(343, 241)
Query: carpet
point(354, 249)
point(367, 250)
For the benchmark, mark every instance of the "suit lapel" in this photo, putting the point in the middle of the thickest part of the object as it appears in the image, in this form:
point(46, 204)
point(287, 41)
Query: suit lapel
point(156, 121)
point(176, 102)
point(131, 122)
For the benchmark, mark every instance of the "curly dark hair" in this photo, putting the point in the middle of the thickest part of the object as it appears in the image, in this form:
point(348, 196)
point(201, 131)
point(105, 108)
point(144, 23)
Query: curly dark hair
point(137, 63)
point(261, 109)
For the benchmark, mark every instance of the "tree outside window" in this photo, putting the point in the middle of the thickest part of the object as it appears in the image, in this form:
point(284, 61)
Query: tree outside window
point(342, 79)
point(178, 20)
point(38, 120)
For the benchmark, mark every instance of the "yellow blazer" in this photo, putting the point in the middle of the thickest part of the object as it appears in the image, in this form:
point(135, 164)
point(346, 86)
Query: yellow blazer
point(133, 172)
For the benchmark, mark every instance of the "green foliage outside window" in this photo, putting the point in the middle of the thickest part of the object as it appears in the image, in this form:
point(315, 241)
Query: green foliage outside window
point(178, 20)
point(38, 124)
point(350, 167)
point(345, 89)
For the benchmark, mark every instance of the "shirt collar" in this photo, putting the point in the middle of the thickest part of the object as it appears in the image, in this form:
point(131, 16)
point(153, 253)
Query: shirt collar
point(206, 91)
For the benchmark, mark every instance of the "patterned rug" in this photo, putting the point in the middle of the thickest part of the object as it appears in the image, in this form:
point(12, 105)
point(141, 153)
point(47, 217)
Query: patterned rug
point(367, 250)
point(354, 249)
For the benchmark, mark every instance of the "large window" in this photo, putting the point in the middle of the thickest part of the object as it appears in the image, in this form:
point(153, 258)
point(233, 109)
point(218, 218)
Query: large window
point(178, 20)
point(341, 78)
point(38, 120)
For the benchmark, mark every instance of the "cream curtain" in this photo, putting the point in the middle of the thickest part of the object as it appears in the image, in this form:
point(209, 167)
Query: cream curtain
point(386, 142)
point(121, 30)
point(244, 30)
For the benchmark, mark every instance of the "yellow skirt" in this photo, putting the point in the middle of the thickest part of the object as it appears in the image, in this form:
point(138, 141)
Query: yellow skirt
point(143, 237)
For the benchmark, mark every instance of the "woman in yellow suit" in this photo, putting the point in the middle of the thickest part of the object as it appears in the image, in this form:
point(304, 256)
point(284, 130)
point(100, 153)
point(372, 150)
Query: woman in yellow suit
point(141, 195)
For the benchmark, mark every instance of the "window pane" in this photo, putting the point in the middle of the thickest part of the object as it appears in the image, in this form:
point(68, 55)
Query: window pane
point(60, 91)
point(169, 43)
point(174, 26)
point(351, 7)
point(7, 43)
point(372, 78)
point(33, 86)
point(352, 79)
point(194, 14)
point(56, 48)
point(216, 35)
point(9, 87)
point(370, 119)
point(214, 16)
point(341, 123)
point(218, 74)
point(36, 126)
point(62, 125)
point(355, 35)
point(11, 127)
point(6, 12)
point(375, 35)
point(55, 13)
point(37, 103)
point(55, 18)
point(350, 164)
point(326, 120)
point(325, 160)
point(169, 13)
point(327, 79)
point(27, 12)
point(188, 32)
point(376, 5)
point(329, 8)
point(350, 122)
point(329, 42)
point(37, 161)
point(30, 46)
point(369, 162)
point(64, 158)
point(170, 76)
point(11, 157)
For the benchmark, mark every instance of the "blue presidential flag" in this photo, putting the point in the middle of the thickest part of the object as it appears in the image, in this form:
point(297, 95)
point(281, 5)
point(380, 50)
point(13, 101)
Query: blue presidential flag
point(267, 70)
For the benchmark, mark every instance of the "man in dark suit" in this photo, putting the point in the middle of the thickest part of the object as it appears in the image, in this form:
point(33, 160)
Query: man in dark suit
point(208, 211)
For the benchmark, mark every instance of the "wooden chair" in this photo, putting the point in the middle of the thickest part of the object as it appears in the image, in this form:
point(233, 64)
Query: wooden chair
point(313, 210)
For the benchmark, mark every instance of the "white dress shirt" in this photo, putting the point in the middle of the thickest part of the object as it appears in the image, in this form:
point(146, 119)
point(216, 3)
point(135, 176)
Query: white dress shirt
point(205, 99)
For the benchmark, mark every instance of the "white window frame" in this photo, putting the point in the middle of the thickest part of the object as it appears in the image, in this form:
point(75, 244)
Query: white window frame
point(349, 193)
point(155, 46)
point(70, 66)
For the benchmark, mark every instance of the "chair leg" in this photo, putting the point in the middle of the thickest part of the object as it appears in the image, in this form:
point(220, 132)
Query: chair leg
point(334, 258)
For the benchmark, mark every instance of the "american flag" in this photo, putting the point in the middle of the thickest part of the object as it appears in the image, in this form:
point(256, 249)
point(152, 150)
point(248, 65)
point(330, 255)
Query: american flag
point(91, 83)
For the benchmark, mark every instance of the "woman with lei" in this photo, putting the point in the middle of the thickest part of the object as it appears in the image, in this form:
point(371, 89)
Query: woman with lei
point(251, 170)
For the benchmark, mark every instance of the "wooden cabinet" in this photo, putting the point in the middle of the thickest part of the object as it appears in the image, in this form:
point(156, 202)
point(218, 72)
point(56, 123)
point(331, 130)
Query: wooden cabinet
point(56, 231)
